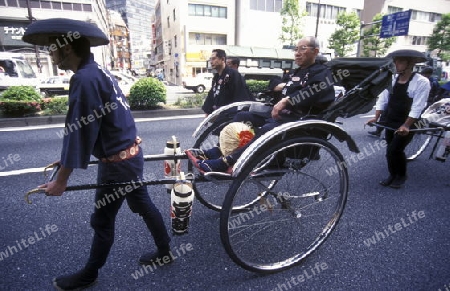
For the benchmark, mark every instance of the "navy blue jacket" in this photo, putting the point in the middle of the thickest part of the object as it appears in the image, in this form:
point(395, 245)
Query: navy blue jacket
point(99, 121)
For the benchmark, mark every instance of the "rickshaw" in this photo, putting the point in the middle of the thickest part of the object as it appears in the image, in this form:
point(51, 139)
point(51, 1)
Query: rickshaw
point(289, 188)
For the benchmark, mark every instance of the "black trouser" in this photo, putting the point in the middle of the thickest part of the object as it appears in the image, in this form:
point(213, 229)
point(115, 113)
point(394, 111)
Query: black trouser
point(104, 216)
point(395, 152)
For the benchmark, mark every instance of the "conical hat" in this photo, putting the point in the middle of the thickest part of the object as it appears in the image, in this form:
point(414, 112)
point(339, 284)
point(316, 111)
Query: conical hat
point(416, 56)
point(40, 32)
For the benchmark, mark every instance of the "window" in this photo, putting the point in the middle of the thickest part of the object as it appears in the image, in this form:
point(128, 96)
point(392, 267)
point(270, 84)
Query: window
point(266, 5)
point(12, 3)
point(35, 4)
point(393, 9)
point(261, 5)
point(358, 12)
point(207, 39)
point(270, 5)
point(57, 5)
point(175, 43)
point(76, 6)
point(67, 6)
point(207, 10)
point(420, 15)
point(174, 16)
point(419, 40)
point(435, 17)
point(46, 5)
point(168, 21)
point(326, 11)
point(86, 7)
point(23, 3)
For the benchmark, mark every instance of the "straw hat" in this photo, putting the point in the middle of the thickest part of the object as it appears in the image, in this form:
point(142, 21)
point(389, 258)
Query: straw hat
point(40, 32)
point(415, 56)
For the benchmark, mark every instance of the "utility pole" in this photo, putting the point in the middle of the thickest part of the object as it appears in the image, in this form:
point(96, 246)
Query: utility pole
point(36, 48)
point(361, 35)
point(317, 19)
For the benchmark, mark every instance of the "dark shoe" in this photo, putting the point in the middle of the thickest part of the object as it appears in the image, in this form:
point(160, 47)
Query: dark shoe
point(375, 133)
point(386, 182)
point(195, 154)
point(398, 182)
point(161, 257)
point(77, 281)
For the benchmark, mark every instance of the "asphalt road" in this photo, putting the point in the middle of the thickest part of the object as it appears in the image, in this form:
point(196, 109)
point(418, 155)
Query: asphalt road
point(57, 233)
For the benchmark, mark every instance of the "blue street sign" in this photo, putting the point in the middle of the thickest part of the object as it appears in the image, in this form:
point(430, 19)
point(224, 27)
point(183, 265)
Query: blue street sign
point(395, 24)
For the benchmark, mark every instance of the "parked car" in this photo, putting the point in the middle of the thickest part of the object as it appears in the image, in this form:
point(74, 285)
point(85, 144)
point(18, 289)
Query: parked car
point(56, 85)
point(199, 83)
point(16, 71)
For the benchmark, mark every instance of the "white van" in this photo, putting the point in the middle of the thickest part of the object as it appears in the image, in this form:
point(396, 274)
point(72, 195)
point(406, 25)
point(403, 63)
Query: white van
point(199, 83)
point(16, 71)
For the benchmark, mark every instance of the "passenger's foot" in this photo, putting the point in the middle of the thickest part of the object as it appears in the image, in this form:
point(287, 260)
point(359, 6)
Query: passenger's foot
point(386, 182)
point(398, 182)
point(77, 281)
point(217, 165)
point(157, 257)
point(195, 154)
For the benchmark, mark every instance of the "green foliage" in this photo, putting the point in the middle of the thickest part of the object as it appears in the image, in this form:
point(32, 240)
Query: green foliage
point(291, 16)
point(440, 39)
point(21, 93)
point(193, 101)
point(17, 101)
point(373, 45)
point(146, 94)
point(57, 105)
point(257, 86)
point(343, 39)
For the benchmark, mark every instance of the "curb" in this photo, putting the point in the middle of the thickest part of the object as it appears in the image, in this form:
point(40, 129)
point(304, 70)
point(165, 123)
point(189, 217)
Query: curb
point(58, 119)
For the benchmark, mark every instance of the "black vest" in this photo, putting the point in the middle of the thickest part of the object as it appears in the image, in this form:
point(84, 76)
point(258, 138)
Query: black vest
point(399, 104)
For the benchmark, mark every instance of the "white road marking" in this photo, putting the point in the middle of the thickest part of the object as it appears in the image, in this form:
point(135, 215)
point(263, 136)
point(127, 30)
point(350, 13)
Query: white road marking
point(61, 125)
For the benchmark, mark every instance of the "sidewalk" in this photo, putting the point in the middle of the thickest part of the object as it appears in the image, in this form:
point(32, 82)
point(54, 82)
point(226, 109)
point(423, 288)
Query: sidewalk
point(58, 119)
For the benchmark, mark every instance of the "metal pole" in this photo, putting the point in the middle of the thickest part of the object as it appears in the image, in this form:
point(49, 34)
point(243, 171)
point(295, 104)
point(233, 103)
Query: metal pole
point(317, 19)
point(361, 36)
point(358, 49)
point(36, 48)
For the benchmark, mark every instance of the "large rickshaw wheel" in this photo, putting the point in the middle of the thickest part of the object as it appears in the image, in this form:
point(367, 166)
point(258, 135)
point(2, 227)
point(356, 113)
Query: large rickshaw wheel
point(417, 145)
point(302, 186)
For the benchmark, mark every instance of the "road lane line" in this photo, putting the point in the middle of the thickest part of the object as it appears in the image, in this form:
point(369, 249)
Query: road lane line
point(61, 125)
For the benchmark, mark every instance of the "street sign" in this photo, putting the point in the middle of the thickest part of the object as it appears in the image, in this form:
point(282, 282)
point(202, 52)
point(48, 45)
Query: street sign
point(395, 24)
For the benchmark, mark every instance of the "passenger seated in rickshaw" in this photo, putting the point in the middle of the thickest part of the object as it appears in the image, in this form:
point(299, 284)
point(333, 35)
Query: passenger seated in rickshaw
point(307, 90)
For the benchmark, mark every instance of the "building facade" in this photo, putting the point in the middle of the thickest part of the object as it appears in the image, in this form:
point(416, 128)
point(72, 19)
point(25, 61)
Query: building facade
point(137, 15)
point(14, 20)
point(187, 31)
point(119, 42)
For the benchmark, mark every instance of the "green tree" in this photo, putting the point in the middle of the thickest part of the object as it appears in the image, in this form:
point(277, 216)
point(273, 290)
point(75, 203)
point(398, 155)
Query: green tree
point(440, 39)
point(373, 45)
point(291, 16)
point(343, 39)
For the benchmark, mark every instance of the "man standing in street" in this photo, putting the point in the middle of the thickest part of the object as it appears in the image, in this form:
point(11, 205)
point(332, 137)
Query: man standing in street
point(110, 136)
point(402, 107)
point(228, 86)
